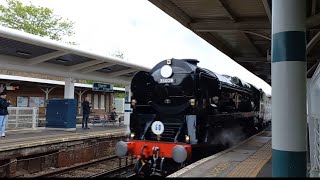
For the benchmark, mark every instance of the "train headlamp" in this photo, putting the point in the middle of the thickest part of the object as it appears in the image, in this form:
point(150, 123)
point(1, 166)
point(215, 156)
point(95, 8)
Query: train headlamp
point(166, 71)
point(187, 138)
point(132, 135)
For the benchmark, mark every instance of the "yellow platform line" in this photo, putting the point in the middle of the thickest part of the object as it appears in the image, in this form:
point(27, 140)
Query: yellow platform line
point(252, 165)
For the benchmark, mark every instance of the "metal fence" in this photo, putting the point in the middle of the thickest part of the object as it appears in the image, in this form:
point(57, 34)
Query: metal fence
point(314, 140)
point(22, 118)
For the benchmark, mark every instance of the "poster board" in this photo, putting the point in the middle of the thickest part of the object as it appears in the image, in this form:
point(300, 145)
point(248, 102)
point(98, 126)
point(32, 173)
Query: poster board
point(22, 101)
point(36, 102)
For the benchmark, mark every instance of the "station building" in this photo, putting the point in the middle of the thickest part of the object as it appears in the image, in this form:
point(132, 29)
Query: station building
point(32, 90)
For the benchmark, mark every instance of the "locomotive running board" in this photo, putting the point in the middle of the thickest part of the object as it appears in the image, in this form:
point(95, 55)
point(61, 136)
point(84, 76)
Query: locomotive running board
point(236, 115)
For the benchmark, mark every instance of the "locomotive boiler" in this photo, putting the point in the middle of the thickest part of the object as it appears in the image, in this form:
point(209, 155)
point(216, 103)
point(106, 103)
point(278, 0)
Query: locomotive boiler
point(180, 111)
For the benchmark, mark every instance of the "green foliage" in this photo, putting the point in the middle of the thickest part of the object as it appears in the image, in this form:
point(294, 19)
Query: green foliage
point(119, 95)
point(89, 82)
point(118, 54)
point(35, 20)
point(119, 85)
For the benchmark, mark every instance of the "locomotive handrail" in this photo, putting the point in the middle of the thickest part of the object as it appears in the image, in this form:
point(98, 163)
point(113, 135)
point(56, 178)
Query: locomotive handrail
point(146, 129)
point(201, 74)
point(177, 135)
point(181, 96)
point(238, 88)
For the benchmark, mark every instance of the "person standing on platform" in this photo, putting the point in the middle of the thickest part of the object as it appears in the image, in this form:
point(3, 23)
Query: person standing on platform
point(4, 103)
point(86, 106)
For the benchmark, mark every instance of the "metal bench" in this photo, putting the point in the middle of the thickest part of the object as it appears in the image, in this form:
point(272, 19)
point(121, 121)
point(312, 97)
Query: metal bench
point(104, 119)
point(99, 119)
point(109, 120)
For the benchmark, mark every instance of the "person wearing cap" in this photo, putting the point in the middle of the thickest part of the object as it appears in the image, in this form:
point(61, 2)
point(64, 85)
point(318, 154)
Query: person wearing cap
point(4, 103)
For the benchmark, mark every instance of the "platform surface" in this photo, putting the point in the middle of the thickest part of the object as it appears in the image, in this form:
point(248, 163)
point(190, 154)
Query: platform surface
point(41, 136)
point(250, 158)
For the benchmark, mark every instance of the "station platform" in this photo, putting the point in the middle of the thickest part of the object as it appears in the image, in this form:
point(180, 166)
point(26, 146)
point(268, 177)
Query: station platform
point(43, 136)
point(250, 158)
point(25, 152)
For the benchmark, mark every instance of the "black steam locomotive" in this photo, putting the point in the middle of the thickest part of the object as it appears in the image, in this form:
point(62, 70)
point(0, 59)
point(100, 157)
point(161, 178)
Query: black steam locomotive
point(181, 111)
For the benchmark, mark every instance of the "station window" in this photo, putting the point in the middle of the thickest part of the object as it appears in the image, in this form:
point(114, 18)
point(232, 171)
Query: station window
point(102, 102)
point(96, 101)
point(89, 96)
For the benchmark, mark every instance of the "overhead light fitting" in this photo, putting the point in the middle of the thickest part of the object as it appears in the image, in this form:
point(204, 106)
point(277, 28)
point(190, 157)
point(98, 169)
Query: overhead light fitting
point(61, 60)
point(107, 69)
point(23, 53)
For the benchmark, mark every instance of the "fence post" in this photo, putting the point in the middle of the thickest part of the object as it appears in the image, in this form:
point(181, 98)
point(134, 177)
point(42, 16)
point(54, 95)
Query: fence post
point(34, 118)
point(16, 117)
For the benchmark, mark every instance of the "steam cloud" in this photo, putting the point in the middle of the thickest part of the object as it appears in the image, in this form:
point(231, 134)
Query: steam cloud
point(230, 136)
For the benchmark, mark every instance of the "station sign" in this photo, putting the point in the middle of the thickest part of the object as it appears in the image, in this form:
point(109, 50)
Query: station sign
point(12, 88)
point(102, 87)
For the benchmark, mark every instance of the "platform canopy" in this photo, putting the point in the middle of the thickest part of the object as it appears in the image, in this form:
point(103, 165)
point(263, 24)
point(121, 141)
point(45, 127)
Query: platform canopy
point(241, 29)
point(25, 52)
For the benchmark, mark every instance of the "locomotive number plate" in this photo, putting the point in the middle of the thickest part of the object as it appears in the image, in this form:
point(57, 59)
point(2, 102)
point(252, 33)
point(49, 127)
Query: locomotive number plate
point(166, 80)
point(157, 127)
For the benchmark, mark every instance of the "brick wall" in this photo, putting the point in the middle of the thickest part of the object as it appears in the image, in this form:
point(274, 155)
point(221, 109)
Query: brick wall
point(48, 156)
point(86, 152)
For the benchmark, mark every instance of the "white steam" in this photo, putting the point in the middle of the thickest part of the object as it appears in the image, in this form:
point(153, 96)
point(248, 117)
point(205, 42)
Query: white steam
point(230, 136)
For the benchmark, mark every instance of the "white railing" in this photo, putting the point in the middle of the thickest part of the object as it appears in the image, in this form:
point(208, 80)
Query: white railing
point(22, 118)
point(316, 132)
point(313, 99)
point(314, 121)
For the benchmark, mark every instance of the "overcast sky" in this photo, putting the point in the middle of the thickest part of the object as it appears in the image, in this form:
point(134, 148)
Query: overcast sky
point(144, 33)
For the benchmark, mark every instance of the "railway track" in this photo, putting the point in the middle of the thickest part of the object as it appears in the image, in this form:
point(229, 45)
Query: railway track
point(111, 166)
point(104, 167)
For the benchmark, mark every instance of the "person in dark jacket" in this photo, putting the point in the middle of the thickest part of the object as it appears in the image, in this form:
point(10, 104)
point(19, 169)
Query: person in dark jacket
point(4, 103)
point(113, 114)
point(86, 112)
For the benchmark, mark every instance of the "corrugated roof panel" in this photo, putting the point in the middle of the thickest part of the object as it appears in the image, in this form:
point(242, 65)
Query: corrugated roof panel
point(200, 9)
point(69, 60)
point(113, 68)
point(247, 8)
point(20, 49)
point(238, 42)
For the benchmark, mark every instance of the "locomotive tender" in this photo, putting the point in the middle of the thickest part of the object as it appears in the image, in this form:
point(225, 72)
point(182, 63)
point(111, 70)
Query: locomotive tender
point(180, 111)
